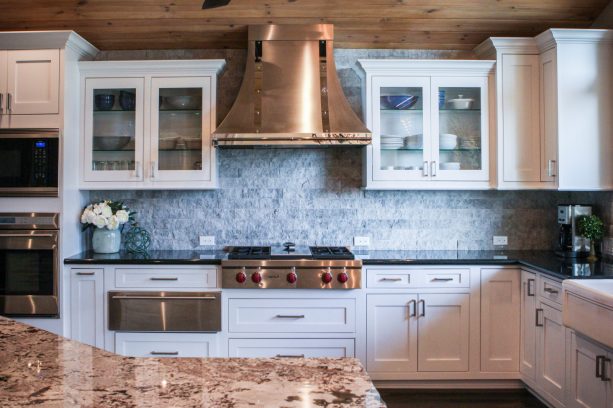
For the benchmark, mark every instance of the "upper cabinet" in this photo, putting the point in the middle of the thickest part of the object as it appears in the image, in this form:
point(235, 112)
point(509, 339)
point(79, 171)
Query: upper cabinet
point(148, 124)
point(553, 97)
point(430, 124)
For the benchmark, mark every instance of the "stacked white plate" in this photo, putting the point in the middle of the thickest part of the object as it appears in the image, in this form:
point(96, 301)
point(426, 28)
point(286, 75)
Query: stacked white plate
point(392, 142)
point(448, 141)
point(414, 141)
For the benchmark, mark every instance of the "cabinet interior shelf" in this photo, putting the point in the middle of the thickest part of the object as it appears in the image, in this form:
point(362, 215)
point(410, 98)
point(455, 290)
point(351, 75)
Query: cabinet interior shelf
point(160, 150)
point(113, 111)
point(472, 149)
point(399, 111)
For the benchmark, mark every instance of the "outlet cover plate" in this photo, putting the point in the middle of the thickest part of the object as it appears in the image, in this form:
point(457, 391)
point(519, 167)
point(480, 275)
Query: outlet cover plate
point(361, 241)
point(207, 240)
point(500, 240)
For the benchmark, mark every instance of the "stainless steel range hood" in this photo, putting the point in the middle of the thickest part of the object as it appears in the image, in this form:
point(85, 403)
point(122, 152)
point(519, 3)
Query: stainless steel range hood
point(290, 95)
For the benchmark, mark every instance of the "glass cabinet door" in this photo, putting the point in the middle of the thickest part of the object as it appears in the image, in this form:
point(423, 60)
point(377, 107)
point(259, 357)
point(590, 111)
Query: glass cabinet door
point(460, 129)
point(113, 129)
point(401, 134)
point(180, 129)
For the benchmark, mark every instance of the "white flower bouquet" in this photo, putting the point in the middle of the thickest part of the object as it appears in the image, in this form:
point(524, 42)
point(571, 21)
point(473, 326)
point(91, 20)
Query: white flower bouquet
point(106, 214)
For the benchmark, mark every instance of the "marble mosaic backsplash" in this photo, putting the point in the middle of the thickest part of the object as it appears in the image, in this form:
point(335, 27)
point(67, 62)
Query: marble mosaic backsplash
point(315, 196)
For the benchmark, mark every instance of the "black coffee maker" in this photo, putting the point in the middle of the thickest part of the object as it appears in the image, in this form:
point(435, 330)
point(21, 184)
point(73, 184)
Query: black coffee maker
point(571, 244)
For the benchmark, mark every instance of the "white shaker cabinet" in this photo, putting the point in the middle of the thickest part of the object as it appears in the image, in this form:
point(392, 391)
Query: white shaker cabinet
point(527, 353)
point(590, 375)
point(87, 306)
point(500, 302)
point(148, 124)
point(430, 122)
point(551, 367)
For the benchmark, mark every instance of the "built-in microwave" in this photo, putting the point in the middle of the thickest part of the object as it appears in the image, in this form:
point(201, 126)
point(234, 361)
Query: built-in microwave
point(29, 161)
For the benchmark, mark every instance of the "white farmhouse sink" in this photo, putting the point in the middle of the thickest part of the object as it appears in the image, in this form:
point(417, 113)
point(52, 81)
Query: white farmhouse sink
point(588, 308)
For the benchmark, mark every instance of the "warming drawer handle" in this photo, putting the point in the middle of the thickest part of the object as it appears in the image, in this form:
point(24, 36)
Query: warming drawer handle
point(164, 353)
point(290, 316)
point(290, 355)
point(165, 297)
point(164, 279)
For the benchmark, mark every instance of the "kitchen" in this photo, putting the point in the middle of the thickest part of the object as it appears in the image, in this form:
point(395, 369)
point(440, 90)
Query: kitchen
point(445, 243)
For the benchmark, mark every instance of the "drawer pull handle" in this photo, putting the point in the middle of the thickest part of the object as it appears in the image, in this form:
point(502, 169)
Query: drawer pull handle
point(86, 273)
point(290, 355)
point(164, 279)
point(531, 287)
point(441, 280)
point(390, 279)
point(164, 353)
point(290, 316)
point(551, 291)
point(122, 297)
point(538, 313)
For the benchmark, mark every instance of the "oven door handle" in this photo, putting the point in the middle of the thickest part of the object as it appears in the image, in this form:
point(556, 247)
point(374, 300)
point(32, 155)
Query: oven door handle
point(165, 297)
point(26, 235)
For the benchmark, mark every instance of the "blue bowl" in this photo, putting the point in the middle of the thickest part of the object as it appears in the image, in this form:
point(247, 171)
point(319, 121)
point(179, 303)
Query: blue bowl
point(399, 102)
point(127, 100)
point(104, 101)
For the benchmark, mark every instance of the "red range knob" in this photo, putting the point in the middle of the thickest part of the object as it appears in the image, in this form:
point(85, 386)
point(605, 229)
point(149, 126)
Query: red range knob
point(342, 277)
point(256, 277)
point(292, 277)
point(326, 277)
point(241, 277)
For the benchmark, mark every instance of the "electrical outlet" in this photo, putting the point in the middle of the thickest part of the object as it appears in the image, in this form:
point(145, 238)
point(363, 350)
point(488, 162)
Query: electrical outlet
point(500, 240)
point(207, 240)
point(361, 241)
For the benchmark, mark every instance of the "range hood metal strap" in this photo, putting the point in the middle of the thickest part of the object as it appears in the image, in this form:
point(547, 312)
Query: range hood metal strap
point(323, 83)
point(259, 75)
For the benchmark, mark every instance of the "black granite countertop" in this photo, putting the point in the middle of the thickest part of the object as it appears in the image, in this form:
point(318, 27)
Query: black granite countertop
point(541, 261)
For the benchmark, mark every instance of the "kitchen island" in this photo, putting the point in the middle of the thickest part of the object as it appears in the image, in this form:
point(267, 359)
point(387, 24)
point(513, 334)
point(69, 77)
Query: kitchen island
point(40, 368)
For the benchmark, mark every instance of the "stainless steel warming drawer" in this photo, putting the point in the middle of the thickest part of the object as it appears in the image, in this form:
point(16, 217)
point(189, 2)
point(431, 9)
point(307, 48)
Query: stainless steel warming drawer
point(165, 311)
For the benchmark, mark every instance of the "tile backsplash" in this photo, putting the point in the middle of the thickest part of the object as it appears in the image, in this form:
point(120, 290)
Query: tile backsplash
point(314, 196)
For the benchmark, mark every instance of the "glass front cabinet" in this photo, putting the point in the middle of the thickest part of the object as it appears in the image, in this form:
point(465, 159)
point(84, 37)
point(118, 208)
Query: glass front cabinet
point(430, 122)
point(148, 124)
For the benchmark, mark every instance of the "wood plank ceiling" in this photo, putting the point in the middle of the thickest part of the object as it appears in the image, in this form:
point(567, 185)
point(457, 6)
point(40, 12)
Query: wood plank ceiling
point(182, 24)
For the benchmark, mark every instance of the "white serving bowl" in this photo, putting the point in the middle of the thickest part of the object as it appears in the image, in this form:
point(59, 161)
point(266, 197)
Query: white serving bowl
point(450, 166)
point(448, 141)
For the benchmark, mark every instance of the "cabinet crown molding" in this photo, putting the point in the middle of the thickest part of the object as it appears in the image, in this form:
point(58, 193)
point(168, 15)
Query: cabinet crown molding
point(40, 40)
point(514, 45)
point(152, 67)
point(550, 38)
point(426, 67)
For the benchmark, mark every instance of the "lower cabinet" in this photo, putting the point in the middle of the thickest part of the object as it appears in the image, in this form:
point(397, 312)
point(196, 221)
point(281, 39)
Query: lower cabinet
point(291, 348)
point(87, 306)
point(417, 332)
point(551, 354)
point(166, 344)
point(590, 375)
point(527, 354)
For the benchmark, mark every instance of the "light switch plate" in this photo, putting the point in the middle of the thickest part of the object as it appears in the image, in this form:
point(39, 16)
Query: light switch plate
point(207, 240)
point(361, 241)
point(500, 240)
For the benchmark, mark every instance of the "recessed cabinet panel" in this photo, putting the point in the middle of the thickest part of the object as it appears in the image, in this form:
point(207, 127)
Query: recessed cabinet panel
point(86, 306)
point(33, 82)
point(551, 352)
point(587, 390)
point(528, 326)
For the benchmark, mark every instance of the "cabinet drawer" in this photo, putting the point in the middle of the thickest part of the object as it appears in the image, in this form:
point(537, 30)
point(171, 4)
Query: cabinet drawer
point(292, 315)
point(148, 278)
point(297, 348)
point(166, 344)
point(550, 290)
point(418, 278)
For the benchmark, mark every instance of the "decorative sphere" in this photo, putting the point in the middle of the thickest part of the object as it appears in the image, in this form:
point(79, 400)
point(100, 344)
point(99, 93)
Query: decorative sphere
point(137, 240)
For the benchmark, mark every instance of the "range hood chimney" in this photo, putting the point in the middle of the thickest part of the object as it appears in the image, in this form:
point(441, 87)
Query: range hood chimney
point(290, 95)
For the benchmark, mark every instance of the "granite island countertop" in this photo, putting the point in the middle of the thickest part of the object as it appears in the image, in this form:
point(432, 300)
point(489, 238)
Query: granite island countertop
point(542, 261)
point(43, 369)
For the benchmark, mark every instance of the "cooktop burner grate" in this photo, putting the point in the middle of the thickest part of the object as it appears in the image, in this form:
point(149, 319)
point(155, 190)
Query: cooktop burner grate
point(249, 252)
point(331, 252)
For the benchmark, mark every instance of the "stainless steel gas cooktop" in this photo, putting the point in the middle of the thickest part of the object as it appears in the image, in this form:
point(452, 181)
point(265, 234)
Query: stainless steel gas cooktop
point(291, 267)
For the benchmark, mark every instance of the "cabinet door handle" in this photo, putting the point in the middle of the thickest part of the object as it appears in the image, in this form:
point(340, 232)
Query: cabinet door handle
point(423, 308)
point(290, 316)
point(433, 168)
point(86, 273)
point(137, 169)
point(551, 291)
point(154, 169)
point(538, 312)
point(412, 308)
point(8, 103)
point(531, 287)
point(425, 169)
point(164, 279)
point(551, 166)
point(164, 353)
point(601, 366)
point(1, 108)
point(290, 355)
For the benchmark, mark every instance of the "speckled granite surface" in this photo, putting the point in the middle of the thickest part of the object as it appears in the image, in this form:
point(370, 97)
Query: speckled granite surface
point(41, 369)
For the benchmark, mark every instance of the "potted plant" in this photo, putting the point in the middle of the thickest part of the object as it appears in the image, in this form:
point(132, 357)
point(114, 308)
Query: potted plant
point(107, 218)
point(592, 228)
